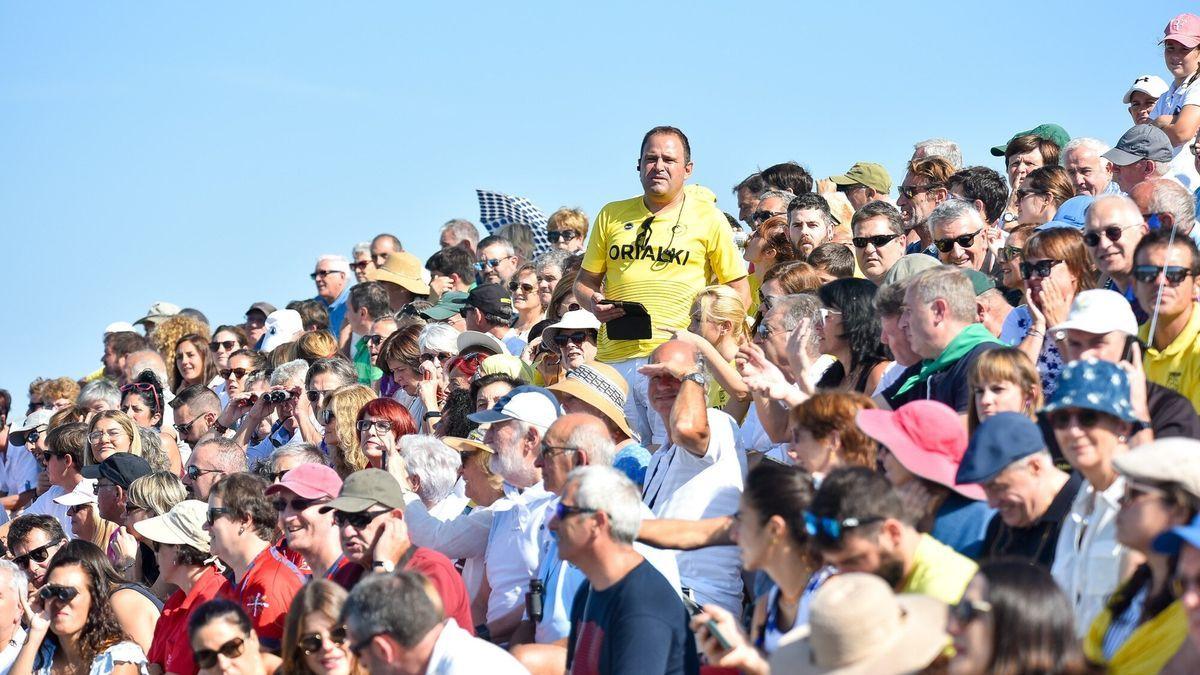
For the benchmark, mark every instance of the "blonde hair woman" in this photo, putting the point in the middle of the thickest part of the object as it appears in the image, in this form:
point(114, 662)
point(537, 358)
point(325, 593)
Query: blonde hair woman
point(718, 330)
point(1002, 380)
point(110, 432)
point(316, 344)
point(341, 438)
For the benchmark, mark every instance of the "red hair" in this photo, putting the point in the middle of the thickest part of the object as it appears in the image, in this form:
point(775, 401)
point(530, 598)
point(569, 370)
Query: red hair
point(386, 408)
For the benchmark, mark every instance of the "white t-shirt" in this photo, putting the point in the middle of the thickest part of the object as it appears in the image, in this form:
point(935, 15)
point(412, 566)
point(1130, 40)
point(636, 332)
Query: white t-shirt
point(752, 436)
point(457, 652)
point(45, 505)
point(890, 375)
point(1183, 166)
point(20, 470)
point(683, 486)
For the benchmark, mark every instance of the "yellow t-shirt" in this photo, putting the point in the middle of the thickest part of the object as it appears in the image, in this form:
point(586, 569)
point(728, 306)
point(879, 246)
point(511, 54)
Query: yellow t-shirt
point(683, 250)
point(939, 571)
point(1178, 366)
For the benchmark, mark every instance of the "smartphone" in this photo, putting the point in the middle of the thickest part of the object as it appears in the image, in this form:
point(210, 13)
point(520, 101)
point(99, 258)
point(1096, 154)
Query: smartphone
point(1131, 343)
point(693, 609)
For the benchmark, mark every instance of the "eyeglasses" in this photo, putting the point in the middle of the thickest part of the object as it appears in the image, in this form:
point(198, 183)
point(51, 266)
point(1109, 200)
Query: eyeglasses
point(297, 504)
point(324, 273)
point(764, 301)
point(38, 554)
point(356, 520)
point(326, 416)
point(562, 511)
point(111, 434)
point(186, 429)
point(832, 528)
point(565, 235)
point(317, 395)
point(193, 472)
point(1010, 253)
point(963, 241)
point(910, 191)
point(966, 611)
point(1112, 233)
point(375, 339)
point(760, 217)
point(527, 288)
point(207, 658)
point(63, 594)
point(1148, 274)
point(216, 512)
point(878, 241)
point(227, 345)
point(360, 266)
point(578, 337)
point(238, 373)
point(313, 642)
point(365, 425)
point(487, 264)
point(549, 451)
point(1086, 418)
point(1040, 269)
point(441, 357)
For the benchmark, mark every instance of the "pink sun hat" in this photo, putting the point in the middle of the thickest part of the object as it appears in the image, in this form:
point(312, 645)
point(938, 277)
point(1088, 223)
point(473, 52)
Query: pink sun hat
point(926, 437)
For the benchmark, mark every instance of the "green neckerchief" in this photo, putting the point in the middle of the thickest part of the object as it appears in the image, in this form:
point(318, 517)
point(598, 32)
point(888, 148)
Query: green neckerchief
point(971, 337)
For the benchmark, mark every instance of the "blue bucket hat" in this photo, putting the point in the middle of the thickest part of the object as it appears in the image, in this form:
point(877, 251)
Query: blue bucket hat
point(1094, 385)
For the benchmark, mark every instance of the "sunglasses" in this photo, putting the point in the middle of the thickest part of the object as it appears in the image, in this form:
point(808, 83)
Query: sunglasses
point(276, 476)
point(326, 416)
point(910, 191)
point(314, 643)
point(374, 339)
point(32, 436)
point(963, 241)
point(297, 504)
point(321, 274)
point(441, 357)
point(54, 454)
point(38, 554)
point(967, 611)
point(360, 266)
point(1022, 194)
point(215, 513)
point(239, 373)
point(565, 235)
point(563, 511)
point(207, 658)
point(1010, 253)
point(1112, 233)
point(358, 520)
point(193, 472)
point(1040, 269)
point(53, 592)
point(527, 288)
point(832, 528)
point(317, 395)
point(1148, 274)
point(760, 217)
point(227, 345)
point(578, 337)
point(365, 425)
point(878, 241)
point(142, 387)
point(487, 264)
point(1087, 419)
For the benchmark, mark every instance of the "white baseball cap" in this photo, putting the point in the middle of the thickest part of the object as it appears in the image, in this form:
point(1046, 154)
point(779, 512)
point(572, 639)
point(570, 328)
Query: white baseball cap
point(1099, 311)
point(1147, 84)
point(281, 328)
point(84, 493)
point(119, 327)
point(527, 403)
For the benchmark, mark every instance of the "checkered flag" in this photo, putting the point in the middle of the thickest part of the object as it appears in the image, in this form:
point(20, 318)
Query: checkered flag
point(497, 210)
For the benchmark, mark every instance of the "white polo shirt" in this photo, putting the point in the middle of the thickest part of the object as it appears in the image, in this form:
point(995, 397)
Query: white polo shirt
point(457, 652)
point(1089, 559)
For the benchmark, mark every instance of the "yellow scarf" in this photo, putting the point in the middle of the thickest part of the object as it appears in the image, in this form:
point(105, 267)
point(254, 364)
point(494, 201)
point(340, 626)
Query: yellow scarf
point(1149, 647)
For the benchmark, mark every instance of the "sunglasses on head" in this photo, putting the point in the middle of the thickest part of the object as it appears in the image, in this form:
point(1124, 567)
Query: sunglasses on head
point(832, 528)
point(1112, 233)
point(963, 241)
point(878, 241)
point(207, 658)
point(356, 520)
point(1040, 269)
point(578, 337)
point(38, 554)
point(297, 504)
point(63, 594)
point(1061, 419)
point(527, 288)
point(239, 373)
point(565, 235)
point(313, 642)
point(1148, 274)
point(228, 345)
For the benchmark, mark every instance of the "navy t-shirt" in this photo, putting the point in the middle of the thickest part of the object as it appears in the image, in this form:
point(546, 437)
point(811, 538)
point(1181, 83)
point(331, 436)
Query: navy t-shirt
point(638, 625)
point(948, 386)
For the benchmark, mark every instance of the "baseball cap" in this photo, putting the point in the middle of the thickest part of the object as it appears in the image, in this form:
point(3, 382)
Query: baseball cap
point(926, 437)
point(579, 319)
point(1147, 84)
point(505, 364)
point(1050, 132)
point(265, 307)
point(33, 420)
point(448, 305)
point(908, 266)
point(980, 282)
point(122, 468)
point(1099, 311)
point(366, 488)
point(182, 525)
point(527, 403)
point(281, 328)
point(472, 338)
point(999, 441)
point(119, 327)
point(84, 493)
point(309, 481)
point(1184, 29)
point(404, 270)
point(1072, 213)
point(158, 311)
point(869, 174)
point(600, 386)
point(491, 299)
point(1166, 460)
point(1143, 141)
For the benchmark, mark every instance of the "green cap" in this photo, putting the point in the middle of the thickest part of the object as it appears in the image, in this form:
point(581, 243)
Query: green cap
point(980, 282)
point(869, 174)
point(366, 488)
point(447, 306)
point(1050, 132)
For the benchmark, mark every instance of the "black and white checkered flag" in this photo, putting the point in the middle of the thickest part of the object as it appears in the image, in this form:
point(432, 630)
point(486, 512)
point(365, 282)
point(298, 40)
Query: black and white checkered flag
point(497, 210)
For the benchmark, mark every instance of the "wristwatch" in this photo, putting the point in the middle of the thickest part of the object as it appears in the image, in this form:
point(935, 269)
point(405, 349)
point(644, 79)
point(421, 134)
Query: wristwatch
point(220, 428)
point(697, 377)
point(385, 566)
point(431, 414)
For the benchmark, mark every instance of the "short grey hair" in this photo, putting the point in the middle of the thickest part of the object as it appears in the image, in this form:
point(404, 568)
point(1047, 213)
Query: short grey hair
point(440, 337)
point(463, 229)
point(99, 390)
point(434, 462)
point(16, 578)
point(361, 247)
point(337, 366)
point(230, 457)
point(495, 240)
point(1161, 168)
point(1168, 196)
point(152, 450)
point(555, 257)
point(336, 262)
point(307, 452)
point(1096, 145)
point(397, 605)
point(795, 308)
point(603, 488)
point(256, 377)
point(948, 283)
point(148, 359)
point(951, 210)
point(941, 147)
point(785, 195)
point(292, 373)
point(593, 439)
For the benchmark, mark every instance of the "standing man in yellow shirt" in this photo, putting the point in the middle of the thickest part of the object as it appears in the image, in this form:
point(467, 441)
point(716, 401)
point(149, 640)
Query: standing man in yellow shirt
point(658, 249)
point(1164, 274)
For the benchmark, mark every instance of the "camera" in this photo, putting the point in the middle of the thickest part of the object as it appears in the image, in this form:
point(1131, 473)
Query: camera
point(277, 396)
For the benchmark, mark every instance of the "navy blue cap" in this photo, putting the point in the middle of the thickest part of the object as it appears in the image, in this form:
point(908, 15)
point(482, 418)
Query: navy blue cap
point(1169, 542)
point(122, 468)
point(997, 442)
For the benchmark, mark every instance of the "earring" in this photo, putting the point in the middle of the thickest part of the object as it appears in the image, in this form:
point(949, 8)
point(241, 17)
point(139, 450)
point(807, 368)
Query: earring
point(241, 530)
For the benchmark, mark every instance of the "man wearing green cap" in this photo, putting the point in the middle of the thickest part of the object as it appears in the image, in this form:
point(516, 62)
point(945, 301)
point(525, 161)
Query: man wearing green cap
point(865, 182)
point(1029, 150)
point(1049, 132)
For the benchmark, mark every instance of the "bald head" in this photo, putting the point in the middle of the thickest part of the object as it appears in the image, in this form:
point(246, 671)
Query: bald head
point(1120, 216)
point(574, 440)
point(146, 359)
point(1110, 208)
point(676, 351)
point(383, 245)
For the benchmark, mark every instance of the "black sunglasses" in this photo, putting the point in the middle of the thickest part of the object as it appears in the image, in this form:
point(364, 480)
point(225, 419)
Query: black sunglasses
point(276, 476)
point(878, 241)
point(440, 356)
point(297, 504)
point(1148, 274)
point(216, 512)
point(239, 373)
point(375, 339)
point(195, 472)
point(229, 345)
point(360, 266)
point(1061, 419)
point(578, 337)
point(63, 594)
point(963, 240)
point(324, 273)
point(207, 658)
point(356, 520)
point(186, 429)
point(1040, 269)
point(528, 288)
point(967, 611)
point(565, 235)
point(38, 554)
point(313, 642)
point(760, 217)
point(563, 511)
point(1112, 233)
point(910, 191)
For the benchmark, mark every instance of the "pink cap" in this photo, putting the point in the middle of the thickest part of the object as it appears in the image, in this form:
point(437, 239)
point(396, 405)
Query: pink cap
point(310, 481)
point(1184, 29)
point(927, 437)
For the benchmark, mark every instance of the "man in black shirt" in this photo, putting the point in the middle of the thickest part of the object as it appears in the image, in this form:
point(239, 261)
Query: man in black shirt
point(1008, 457)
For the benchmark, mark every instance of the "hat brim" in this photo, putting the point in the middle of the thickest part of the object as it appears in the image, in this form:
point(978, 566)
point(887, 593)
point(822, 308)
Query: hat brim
point(489, 416)
point(1138, 425)
point(470, 338)
point(1098, 328)
point(461, 445)
point(417, 286)
point(302, 491)
point(843, 179)
point(436, 313)
point(881, 425)
point(1172, 540)
point(998, 150)
point(591, 397)
point(1121, 157)
point(1188, 41)
point(349, 504)
point(74, 499)
point(90, 471)
point(161, 530)
point(922, 636)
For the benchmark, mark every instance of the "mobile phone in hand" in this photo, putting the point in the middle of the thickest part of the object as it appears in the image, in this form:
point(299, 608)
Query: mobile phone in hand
point(694, 608)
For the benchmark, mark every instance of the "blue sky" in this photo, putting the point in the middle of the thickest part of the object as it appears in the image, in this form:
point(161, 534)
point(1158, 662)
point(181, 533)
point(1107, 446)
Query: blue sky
point(206, 153)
